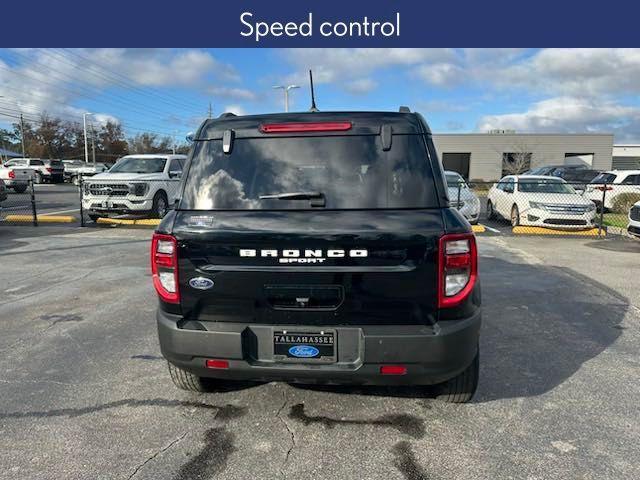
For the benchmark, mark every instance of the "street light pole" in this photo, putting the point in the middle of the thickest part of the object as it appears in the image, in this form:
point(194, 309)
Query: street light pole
point(86, 144)
point(286, 89)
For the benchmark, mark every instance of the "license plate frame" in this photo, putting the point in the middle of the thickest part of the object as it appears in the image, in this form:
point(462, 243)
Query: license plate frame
point(324, 340)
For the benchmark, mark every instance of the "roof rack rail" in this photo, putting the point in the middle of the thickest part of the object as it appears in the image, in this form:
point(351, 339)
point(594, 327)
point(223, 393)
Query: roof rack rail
point(227, 114)
point(404, 109)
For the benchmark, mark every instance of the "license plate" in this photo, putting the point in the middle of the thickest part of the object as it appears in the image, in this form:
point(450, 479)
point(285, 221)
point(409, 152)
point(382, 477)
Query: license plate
point(319, 346)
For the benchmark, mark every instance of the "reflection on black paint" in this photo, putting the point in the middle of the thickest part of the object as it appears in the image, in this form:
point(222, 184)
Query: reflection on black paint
point(351, 171)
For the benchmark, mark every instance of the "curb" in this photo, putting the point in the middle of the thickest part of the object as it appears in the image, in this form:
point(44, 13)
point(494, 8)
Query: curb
point(146, 222)
point(44, 218)
point(478, 228)
point(550, 231)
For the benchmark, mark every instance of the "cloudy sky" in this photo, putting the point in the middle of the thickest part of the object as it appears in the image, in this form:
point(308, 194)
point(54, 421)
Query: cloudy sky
point(458, 90)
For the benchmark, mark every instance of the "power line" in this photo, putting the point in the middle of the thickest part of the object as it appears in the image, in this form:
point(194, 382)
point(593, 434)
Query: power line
point(127, 81)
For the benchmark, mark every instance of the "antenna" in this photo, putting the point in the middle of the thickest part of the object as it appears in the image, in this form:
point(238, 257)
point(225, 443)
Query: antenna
point(313, 96)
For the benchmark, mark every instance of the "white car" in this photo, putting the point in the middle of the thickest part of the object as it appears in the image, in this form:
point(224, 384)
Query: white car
point(634, 220)
point(615, 182)
point(43, 170)
point(136, 184)
point(462, 197)
point(76, 170)
point(15, 178)
point(539, 201)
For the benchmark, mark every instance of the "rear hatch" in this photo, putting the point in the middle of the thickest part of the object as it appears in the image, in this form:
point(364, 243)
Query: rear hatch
point(19, 174)
point(310, 229)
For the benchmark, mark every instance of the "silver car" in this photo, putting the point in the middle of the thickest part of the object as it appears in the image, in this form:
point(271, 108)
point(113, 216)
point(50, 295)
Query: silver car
point(462, 197)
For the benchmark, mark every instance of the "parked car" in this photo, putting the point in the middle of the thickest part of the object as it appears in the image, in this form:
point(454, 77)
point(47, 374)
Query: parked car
point(318, 247)
point(536, 200)
point(136, 184)
point(51, 171)
point(15, 178)
point(462, 197)
point(3, 191)
point(551, 169)
point(76, 170)
point(634, 220)
point(613, 184)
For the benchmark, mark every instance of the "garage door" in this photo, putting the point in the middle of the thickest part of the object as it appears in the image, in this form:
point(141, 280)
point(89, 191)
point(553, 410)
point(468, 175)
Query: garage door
point(457, 162)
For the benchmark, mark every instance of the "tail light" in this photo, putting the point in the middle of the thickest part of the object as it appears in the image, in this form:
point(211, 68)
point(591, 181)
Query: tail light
point(12, 174)
point(164, 267)
point(458, 268)
point(603, 188)
point(305, 127)
point(49, 169)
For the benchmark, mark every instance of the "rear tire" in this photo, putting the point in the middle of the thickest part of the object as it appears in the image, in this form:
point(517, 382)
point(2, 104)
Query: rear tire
point(188, 381)
point(94, 218)
point(491, 213)
point(460, 389)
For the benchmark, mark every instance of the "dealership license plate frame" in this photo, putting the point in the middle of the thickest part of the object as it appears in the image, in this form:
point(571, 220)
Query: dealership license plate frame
point(281, 348)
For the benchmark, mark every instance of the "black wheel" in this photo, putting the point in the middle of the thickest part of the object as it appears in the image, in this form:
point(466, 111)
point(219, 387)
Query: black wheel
point(188, 381)
point(160, 205)
point(20, 189)
point(515, 216)
point(491, 213)
point(460, 389)
point(37, 177)
point(75, 180)
point(94, 217)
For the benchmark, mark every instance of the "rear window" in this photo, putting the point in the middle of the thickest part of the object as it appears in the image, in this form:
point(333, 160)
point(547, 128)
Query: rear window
point(351, 172)
point(56, 164)
point(604, 178)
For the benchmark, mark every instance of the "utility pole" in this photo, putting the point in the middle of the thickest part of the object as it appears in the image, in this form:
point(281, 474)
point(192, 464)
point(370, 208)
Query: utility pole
point(175, 133)
point(210, 110)
point(86, 144)
point(22, 135)
point(93, 145)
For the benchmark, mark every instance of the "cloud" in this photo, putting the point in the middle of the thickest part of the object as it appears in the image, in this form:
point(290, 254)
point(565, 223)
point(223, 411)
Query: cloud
point(59, 82)
point(441, 74)
point(568, 114)
point(454, 126)
point(348, 65)
point(361, 86)
point(237, 109)
point(233, 93)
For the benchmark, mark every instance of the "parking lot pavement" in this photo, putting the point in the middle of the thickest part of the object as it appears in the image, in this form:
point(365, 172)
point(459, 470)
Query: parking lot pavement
point(85, 394)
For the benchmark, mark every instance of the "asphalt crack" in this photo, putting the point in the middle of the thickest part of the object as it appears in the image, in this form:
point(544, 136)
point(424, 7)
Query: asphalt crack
point(291, 433)
point(159, 452)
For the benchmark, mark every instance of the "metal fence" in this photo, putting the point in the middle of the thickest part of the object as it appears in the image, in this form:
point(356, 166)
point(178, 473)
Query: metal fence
point(529, 205)
point(126, 200)
point(18, 204)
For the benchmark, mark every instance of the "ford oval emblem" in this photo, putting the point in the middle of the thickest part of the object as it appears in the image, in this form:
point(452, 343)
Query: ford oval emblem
point(201, 283)
point(304, 351)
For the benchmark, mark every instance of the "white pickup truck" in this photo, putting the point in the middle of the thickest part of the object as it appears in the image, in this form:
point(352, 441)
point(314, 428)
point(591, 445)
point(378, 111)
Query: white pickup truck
point(15, 177)
point(136, 184)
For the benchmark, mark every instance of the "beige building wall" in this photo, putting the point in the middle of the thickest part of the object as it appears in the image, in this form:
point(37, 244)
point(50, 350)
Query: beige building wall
point(546, 149)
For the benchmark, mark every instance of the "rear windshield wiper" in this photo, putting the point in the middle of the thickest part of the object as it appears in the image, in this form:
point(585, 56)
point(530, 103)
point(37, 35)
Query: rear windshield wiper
point(318, 196)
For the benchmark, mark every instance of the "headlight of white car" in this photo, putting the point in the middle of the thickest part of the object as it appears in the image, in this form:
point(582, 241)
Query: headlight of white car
point(538, 205)
point(139, 189)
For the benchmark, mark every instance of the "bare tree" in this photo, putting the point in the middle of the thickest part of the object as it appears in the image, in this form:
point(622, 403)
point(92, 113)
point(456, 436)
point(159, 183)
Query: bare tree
point(517, 159)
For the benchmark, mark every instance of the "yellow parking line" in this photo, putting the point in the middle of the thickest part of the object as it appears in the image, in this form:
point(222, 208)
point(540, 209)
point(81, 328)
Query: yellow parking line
point(478, 228)
point(147, 222)
point(41, 218)
point(593, 232)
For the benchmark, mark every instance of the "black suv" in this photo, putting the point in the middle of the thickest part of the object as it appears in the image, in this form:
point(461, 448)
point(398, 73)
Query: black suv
point(318, 248)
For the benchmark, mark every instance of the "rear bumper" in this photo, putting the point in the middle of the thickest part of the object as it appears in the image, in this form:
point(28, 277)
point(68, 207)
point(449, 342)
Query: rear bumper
point(430, 354)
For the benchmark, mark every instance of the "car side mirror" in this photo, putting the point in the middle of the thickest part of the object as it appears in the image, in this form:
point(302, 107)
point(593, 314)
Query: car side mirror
point(175, 174)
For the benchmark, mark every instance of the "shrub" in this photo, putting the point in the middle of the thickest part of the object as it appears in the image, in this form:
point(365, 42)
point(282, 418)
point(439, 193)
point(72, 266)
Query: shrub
point(623, 202)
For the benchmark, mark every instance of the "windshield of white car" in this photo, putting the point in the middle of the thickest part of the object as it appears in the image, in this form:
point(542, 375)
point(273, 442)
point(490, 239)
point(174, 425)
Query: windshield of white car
point(139, 165)
point(455, 180)
point(544, 186)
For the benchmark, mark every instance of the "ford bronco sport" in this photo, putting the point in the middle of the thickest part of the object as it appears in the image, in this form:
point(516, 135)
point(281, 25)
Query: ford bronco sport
point(317, 248)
